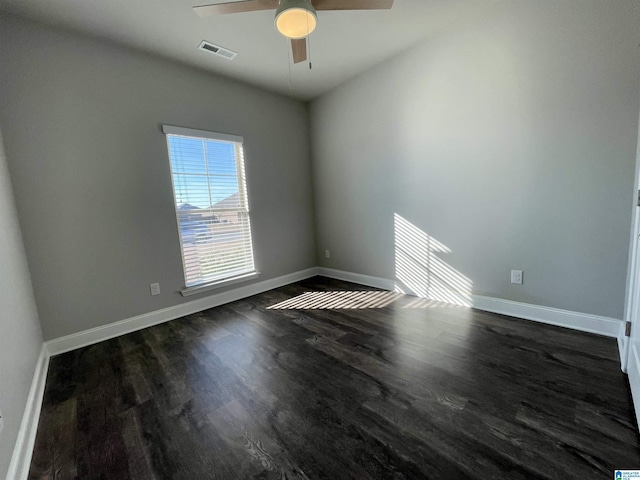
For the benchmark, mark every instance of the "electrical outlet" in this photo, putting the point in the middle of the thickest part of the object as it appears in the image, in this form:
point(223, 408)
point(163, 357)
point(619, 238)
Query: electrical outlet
point(327, 254)
point(155, 288)
point(516, 277)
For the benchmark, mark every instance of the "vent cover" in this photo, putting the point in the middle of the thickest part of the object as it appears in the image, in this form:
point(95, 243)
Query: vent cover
point(217, 50)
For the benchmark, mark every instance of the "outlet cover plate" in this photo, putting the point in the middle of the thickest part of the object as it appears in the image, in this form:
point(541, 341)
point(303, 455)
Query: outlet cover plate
point(516, 277)
point(155, 288)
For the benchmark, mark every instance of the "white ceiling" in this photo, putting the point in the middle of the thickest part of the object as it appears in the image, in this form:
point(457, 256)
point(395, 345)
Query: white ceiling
point(344, 44)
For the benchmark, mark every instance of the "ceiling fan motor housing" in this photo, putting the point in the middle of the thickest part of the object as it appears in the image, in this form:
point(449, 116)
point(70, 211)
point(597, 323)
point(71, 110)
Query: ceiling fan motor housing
point(296, 18)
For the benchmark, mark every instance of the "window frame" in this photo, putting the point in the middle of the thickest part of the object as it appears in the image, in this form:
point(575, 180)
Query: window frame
point(241, 177)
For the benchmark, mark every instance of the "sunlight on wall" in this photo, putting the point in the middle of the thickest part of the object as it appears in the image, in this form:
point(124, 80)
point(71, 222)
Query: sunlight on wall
point(419, 270)
point(338, 299)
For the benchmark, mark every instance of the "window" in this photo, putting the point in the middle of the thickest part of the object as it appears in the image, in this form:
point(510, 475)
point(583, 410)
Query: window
point(210, 194)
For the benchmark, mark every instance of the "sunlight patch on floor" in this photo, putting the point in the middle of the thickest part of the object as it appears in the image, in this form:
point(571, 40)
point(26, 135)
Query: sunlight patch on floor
point(338, 299)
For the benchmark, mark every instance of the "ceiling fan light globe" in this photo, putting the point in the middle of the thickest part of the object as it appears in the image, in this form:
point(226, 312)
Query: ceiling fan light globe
point(296, 18)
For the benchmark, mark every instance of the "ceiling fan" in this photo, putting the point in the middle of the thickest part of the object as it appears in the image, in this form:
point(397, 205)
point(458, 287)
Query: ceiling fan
point(295, 19)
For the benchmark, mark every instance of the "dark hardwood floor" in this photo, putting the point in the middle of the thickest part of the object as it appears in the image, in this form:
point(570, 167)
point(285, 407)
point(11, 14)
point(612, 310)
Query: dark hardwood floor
point(409, 390)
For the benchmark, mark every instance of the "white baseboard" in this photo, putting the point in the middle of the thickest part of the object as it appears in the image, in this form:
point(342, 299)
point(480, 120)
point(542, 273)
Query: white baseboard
point(584, 322)
point(122, 327)
point(23, 450)
point(367, 280)
point(633, 370)
point(609, 327)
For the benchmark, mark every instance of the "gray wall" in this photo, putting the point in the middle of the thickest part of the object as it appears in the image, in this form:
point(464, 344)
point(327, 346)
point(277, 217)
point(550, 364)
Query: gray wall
point(20, 337)
point(510, 139)
point(89, 168)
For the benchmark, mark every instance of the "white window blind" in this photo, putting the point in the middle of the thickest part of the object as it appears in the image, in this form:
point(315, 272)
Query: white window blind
point(212, 209)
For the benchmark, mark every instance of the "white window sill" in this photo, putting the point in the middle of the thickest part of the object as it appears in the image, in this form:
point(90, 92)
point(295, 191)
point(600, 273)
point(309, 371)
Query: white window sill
point(218, 284)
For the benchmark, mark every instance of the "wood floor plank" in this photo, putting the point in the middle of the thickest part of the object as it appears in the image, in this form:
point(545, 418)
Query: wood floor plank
point(406, 389)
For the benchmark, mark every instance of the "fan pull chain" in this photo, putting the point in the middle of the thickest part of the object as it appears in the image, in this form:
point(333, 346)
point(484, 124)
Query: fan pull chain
point(309, 43)
point(289, 61)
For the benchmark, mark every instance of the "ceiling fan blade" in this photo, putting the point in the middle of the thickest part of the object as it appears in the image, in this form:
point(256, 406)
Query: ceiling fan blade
point(299, 49)
point(235, 7)
point(352, 4)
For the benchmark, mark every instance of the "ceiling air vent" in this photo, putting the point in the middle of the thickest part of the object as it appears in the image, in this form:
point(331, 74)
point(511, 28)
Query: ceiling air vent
point(217, 50)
